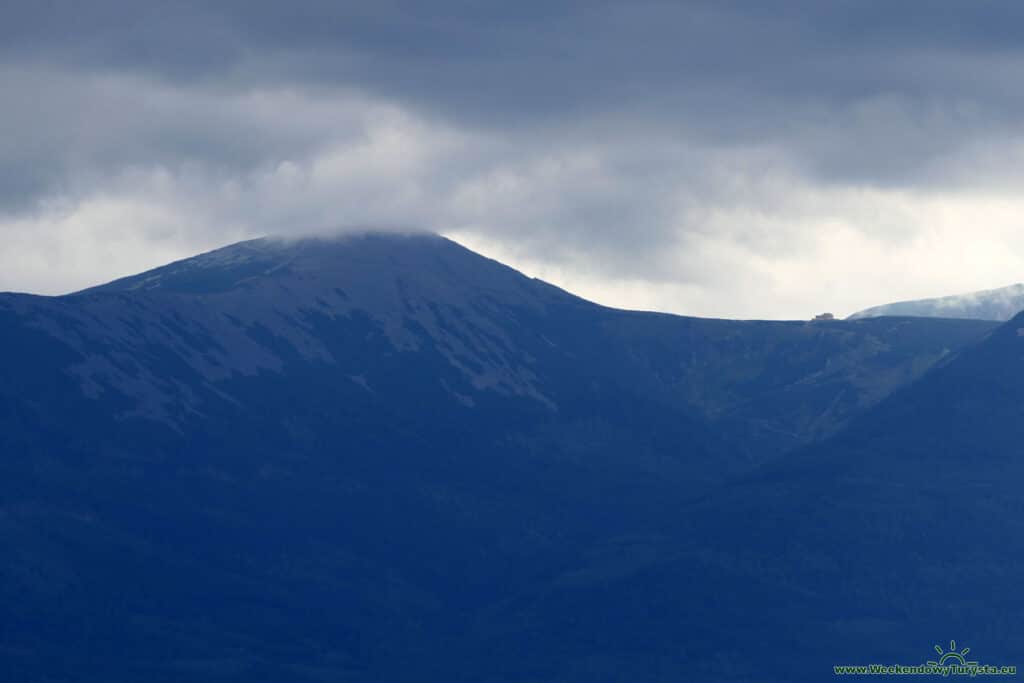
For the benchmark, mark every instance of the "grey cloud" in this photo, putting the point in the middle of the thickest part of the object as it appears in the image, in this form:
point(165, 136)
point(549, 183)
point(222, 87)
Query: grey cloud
point(856, 91)
point(658, 142)
point(528, 56)
point(64, 130)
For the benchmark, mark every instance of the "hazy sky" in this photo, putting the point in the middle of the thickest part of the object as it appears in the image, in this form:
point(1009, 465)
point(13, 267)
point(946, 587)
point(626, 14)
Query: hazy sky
point(735, 159)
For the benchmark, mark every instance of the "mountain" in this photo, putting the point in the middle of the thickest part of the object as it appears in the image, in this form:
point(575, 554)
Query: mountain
point(903, 531)
point(896, 536)
point(387, 458)
point(165, 341)
point(990, 304)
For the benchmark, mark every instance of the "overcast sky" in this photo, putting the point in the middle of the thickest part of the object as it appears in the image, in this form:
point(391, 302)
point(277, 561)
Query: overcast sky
point(733, 159)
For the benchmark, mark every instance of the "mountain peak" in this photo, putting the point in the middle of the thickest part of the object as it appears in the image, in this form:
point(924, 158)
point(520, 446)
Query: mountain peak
point(990, 304)
point(261, 304)
point(371, 270)
point(243, 263)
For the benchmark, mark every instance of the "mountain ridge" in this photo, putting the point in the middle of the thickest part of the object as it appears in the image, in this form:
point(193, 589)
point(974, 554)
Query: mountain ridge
point(234, 310)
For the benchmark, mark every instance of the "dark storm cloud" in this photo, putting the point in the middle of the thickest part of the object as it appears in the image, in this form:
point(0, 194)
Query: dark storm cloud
point(736, 71)
point(525, 56)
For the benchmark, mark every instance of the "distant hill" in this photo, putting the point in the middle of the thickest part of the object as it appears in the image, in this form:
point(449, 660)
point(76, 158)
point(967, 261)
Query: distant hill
point(387, 458)
point(990, 304)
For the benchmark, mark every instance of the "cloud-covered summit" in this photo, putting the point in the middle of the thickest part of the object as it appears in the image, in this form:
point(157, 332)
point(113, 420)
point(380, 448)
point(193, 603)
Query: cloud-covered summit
point(708, 158)
point(990, 304)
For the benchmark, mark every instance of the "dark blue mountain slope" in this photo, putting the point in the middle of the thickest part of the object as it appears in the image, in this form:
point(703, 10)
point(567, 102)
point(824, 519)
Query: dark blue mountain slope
point(904, 531)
